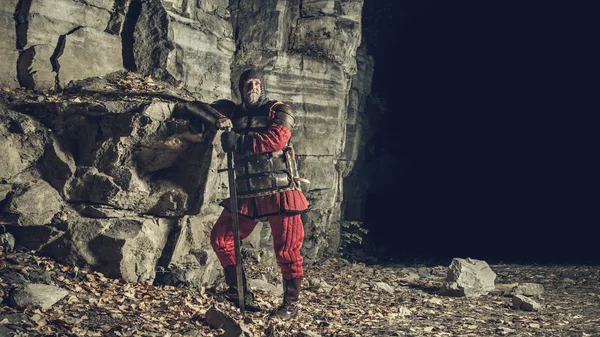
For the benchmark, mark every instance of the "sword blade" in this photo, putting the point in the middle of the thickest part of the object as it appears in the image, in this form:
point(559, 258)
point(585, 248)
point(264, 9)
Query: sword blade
point(236, 231)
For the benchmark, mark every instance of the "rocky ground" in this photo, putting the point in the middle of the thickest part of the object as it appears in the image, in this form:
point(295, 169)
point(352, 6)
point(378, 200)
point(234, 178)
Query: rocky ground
point(341, 298)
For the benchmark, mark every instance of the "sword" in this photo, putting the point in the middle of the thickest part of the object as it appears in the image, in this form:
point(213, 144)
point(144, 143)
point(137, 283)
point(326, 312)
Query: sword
point(236, 229)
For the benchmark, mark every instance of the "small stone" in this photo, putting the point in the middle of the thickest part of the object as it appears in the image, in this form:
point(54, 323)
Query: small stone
point(525, 303)
point(504, 289)
point(502, 331)
point(424, 272)
point(435, 301)
point(7, 242)
point(404, 311)
point(385, 287)
point(220, 320)
point(528, 289)
point(38, 295)
point(314, 282)
point(411, 277)
point(265, 286)
point(14, 318)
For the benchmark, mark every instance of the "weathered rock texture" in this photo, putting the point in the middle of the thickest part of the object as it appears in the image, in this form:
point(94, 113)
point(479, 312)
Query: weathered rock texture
point(109, 180)
point(62, 40)
point(8, 50)
point(38, 295)
point(468, 277)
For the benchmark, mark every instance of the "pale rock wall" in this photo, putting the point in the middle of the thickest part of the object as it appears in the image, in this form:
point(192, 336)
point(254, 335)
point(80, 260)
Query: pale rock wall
point(8, 41)
point(61, 40)
point(123, 197)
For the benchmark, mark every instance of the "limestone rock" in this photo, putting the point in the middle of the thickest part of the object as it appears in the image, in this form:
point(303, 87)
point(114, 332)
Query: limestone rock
point(385, 287)
point(159, 110)
point(317, 7)
point(188, 257)
point(468, 277)
point(525, 303)
point(196, 53)
point(123, 158)
point(265, 286)
point(7, 242)
point(504, 289)
point(87, 53)
point(404, 311)
point(127, 248)
point(46, 20)
point(257, 246)
point(16, 318)
point(38, 295)
point(35, 203)
point(219, 320)
point(56, 165)
point(22, 141)
point(130, 248)
point(527, 289)
point(410, 277)
point(49, 30)
point(35, 70)
point(8, 52)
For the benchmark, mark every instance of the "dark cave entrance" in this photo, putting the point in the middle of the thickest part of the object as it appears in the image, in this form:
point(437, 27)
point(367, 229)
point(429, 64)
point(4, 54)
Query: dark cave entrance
point(463, 165)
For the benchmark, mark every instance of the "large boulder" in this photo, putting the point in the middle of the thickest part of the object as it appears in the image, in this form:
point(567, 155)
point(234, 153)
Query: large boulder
point(127, 247)
point(34, 203)
point(87, 53)
point(468, 277)
point(62, 40)
point(170, 43)
point(188, 257)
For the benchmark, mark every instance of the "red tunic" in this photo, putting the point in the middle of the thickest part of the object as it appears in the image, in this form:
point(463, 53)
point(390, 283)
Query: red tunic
point(292, 201)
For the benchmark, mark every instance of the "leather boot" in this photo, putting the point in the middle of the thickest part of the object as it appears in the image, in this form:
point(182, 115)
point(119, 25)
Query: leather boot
point(231, 294)
point(289, 308)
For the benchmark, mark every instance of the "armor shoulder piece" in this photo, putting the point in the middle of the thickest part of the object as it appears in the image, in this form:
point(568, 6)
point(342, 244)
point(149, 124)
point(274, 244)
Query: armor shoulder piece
point(283, 115)
point(224, 106)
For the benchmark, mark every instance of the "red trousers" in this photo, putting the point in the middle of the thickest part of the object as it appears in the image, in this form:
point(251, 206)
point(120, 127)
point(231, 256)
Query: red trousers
point(287, 231)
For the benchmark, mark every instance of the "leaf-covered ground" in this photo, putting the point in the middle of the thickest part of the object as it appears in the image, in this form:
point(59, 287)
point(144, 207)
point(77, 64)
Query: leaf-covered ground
point(340, 299)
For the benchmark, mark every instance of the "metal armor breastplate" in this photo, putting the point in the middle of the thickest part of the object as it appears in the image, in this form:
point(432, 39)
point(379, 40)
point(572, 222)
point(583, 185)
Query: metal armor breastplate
point(265, 173)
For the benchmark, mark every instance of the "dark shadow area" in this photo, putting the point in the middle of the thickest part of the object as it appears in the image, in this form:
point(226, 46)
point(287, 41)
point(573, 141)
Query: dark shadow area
point(131, 18)
point(481, 154)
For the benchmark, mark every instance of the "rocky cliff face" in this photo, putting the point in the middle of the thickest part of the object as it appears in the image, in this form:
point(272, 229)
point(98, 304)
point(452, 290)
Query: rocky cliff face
point(94, 170)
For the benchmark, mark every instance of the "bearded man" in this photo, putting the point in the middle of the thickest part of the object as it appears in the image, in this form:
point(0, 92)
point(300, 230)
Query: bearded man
point(266, 189)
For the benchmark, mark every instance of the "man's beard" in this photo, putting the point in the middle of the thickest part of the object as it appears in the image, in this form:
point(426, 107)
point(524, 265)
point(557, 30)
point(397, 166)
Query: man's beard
point(252, 98)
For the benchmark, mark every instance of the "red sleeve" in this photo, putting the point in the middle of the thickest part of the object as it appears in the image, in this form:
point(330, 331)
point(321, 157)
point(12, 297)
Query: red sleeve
point(274, 139)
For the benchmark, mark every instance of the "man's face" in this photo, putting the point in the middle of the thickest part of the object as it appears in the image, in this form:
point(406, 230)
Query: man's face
point(252, 91)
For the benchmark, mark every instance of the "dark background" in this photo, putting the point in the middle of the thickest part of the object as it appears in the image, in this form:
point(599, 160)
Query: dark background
point(486, 149)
